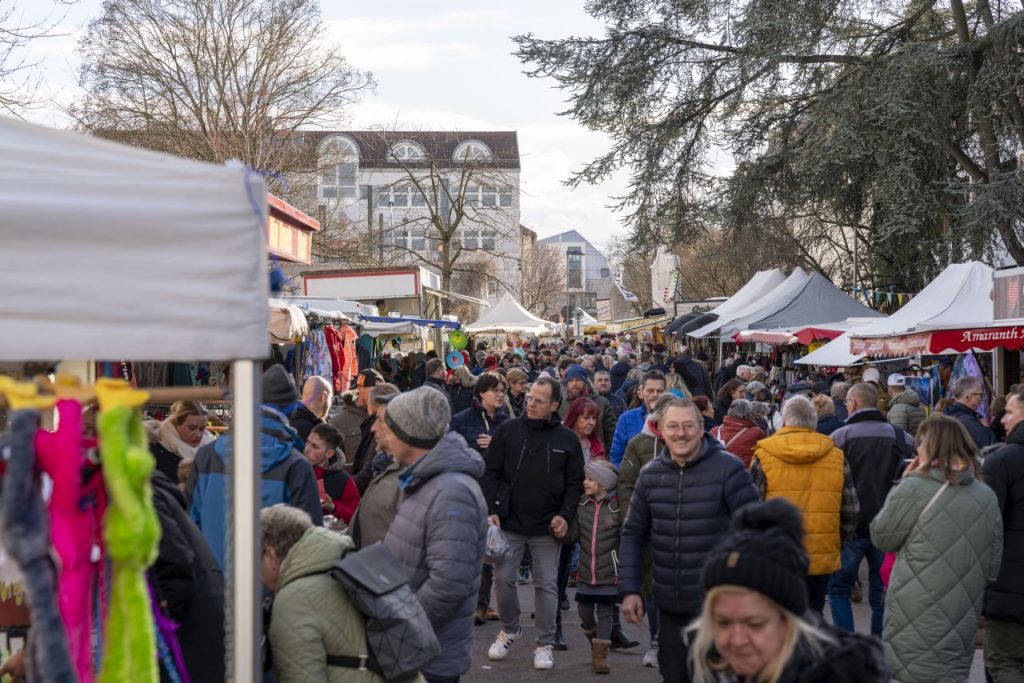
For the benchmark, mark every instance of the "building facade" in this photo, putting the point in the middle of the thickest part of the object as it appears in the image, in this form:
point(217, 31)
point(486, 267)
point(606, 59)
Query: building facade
point(589, 281)
point(448, 201)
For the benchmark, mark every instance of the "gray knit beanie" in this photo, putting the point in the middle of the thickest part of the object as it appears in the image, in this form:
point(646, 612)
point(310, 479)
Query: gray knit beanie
point(603, 472)
point(279, 387)
point(419, 417)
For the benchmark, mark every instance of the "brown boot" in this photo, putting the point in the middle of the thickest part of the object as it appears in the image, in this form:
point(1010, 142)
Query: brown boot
point(599, 655)
point(590, 633)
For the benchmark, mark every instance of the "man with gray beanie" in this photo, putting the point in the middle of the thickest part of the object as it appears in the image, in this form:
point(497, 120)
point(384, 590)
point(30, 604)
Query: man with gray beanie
point(440, 530)
point(286, 476)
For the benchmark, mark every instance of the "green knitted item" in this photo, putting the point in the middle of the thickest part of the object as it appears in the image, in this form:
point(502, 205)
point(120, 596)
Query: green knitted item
point(131, 529)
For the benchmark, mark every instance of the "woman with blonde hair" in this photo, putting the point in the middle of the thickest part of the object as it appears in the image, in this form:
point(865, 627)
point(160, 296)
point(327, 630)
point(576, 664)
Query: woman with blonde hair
point(946, 529)
point(461, 388)
point(177, 438)
point(754, 625)
point(675, 384)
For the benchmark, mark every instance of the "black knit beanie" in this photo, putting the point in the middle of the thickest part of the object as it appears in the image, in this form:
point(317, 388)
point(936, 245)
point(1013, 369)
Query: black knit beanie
point(764, 553)
point(279, 387)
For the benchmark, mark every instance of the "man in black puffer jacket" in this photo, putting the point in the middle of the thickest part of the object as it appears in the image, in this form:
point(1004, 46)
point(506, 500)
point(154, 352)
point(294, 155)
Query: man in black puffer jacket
point(532, 483)
point(694, 374)
point(1004, 599)
point(682, 504)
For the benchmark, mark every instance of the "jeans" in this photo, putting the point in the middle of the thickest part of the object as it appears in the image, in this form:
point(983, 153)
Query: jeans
point(817, 589)
point(842, 583)
point(672, 648)
point(544, 551)
point(1004, 650)
point(652, 618)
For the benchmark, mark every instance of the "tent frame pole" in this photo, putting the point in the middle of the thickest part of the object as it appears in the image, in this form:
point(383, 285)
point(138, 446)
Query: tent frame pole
point(244, 560)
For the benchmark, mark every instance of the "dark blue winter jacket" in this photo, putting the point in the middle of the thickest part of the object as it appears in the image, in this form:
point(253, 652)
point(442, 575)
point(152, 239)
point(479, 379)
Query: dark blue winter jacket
point(829, 423)
point(286, 477)
point(681, 512)
point(970, 419)
point(473, 422)
point(619, 372)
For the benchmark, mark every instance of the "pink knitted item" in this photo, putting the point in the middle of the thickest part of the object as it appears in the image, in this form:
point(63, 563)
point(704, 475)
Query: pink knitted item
point(72, 528)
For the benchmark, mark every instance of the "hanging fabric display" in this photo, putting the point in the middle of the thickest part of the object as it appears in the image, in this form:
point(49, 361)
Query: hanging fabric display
point(27, 540)
point(336, 352)
point(61, 455)
point(132, 533)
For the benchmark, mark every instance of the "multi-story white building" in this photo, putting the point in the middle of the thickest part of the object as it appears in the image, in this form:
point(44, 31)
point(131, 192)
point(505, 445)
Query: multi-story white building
point(393, 194)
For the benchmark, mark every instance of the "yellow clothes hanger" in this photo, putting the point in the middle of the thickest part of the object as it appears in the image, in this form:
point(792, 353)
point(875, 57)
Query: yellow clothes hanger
point(113, 393)
point(24, 395)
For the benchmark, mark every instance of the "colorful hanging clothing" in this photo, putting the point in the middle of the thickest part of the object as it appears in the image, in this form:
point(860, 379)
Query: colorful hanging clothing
point(132, 533)
point(335, 349)
point(27, 540)
point(350, 360)
point(61, 455)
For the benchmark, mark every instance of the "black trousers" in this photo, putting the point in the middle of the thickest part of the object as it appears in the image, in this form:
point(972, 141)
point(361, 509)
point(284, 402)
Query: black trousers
point(483, 600)
point(817, 590)
point(672, 649)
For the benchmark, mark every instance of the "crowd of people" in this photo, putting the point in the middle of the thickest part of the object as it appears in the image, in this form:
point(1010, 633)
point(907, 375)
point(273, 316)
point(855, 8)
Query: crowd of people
point(721, 509)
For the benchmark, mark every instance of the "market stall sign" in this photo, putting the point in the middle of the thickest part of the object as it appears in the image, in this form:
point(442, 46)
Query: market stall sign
point(880, 347)
point(978, 339)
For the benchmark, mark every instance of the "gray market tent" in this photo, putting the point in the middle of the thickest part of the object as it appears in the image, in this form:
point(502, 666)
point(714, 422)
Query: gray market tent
point(818, 303)
point(117, 253)
point(756, 289)
point(765, 305)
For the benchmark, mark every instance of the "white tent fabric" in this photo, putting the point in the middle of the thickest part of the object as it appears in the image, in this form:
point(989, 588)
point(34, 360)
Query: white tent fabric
point(761, 284)
point(508, 315)
point(960, 297)
point(117, 253)
point(287, 322)
point(759, 308)
point(834, 354)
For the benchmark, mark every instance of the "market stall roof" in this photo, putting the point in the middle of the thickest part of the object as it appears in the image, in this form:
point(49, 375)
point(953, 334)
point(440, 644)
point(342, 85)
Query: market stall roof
point(817, 302)
point(418, 322)
point(698, 322)
point(756, 288)
point(834, 354)
point(287, 322)
point(100, 256)
point(761, 307)
point(673, 327)
point(958, 299)
point(508, 315)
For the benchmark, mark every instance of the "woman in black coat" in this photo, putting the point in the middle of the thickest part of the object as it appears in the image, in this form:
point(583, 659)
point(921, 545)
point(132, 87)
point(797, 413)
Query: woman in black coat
point(189, 585)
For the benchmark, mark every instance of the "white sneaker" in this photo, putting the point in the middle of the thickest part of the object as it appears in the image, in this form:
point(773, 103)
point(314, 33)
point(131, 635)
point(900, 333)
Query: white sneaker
point(650, 658)
point(501, 645)
point(543, 658)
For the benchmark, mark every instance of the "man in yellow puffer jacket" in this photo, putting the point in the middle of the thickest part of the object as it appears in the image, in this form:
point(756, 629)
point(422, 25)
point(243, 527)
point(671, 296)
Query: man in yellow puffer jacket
point(806, 468)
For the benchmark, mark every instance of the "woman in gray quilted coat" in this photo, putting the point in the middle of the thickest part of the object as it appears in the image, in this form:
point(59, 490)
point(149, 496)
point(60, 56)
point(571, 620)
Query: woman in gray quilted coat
point(945, 526)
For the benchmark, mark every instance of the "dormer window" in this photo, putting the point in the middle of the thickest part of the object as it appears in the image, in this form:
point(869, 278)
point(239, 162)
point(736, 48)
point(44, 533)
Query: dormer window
point(472, 150)
point(406, 151)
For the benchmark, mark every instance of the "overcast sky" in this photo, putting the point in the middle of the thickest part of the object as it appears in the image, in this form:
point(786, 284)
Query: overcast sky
point(446, 67)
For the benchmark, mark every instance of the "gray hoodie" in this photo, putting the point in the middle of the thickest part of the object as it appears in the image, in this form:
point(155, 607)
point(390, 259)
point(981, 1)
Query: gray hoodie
point(438, 536)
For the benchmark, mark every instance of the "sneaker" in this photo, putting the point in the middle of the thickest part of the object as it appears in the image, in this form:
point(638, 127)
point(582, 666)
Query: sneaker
point(501, 645)
point(650, 658)
point(543, 658)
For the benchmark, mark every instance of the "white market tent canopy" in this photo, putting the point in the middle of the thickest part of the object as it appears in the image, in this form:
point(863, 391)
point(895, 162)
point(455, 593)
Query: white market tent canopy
point(834, 354)
point(959, 297)
point(764, 306)
point(508, 315)
point(761, 284)
point(117, 253)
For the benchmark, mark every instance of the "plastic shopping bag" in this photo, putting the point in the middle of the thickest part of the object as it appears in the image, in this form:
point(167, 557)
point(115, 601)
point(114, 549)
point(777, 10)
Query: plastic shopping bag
point(498, 547)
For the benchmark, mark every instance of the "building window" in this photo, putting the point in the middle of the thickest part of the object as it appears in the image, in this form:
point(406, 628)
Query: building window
point(472, 150)
point(483, 196)
point(574, 268)
point(473, 238)
point(590, 301)
point(605, 272)
point(339, 169)
point(492, 287)
point(488, 239)
point(406, 151)
point(402, 196)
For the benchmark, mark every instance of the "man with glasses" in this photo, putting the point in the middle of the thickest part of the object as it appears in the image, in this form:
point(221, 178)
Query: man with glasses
point(532, 483)
point(969, 393)
point(876, 452)
point(681, 505)
point(632, 421)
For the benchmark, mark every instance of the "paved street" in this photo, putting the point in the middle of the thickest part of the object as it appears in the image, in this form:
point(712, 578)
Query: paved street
point(574, 665)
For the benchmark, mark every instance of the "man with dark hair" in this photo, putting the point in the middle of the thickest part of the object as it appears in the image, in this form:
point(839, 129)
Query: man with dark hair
point(350, 419)
point(693, 373)
point(577, 385)
point(1004, 599)
point(532, 484)
point(437, 378)
point(680, 507)
point(632, 421)
point(876, 452)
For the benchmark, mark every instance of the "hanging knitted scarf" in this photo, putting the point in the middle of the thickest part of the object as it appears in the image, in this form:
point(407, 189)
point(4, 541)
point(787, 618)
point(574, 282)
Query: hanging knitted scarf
point(132, 533)
point(60, 454)
point(27, 540)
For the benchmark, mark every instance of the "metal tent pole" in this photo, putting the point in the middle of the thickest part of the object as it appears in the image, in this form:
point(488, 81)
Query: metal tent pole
point(246, 618)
